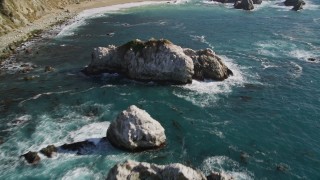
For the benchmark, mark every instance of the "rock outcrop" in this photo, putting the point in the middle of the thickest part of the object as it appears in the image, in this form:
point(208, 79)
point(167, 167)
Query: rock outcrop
point(156, 60)
point(219, 176)
point(297, 4)
point(142, 170)
point(135, 130)
point(207, 65)
point(49, 151)
point(233, 1)
point(244, 4)
point(32, 157)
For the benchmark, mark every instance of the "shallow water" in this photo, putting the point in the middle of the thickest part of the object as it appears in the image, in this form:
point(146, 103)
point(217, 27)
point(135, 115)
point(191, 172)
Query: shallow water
point(269, 109)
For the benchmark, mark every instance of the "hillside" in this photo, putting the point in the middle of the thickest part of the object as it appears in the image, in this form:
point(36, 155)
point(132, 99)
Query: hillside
point(14, 14)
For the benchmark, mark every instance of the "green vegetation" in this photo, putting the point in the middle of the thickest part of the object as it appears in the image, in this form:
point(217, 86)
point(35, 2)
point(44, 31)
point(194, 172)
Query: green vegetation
point(138, 45)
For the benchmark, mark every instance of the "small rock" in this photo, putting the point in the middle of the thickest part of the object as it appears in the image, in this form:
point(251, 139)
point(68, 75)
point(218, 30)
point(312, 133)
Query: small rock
point(219, 176)
point(78, 146)
point(244, 157)
point(49, 150)
point(48, 69)
point(29, 78)
point(28, 50)
point(312, 59)
point(282, 167)
point(32, 157)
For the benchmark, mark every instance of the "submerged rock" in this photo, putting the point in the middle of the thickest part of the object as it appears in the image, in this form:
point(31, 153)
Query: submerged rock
point(142, 170)
point(207, 65)
point(244, 4)
point(153, 60)
point(49, 150)
point(79, 147)
point(1, 140)
point(32, 157)
point(48, 69)
point(135, 130)
point(282, 167)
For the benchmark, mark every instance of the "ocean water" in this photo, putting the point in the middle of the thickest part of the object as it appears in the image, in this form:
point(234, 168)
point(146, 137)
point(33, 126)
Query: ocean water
point(269, 110)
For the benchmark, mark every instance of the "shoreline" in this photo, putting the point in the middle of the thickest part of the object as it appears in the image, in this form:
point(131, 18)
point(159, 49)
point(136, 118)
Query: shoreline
point(58, 19)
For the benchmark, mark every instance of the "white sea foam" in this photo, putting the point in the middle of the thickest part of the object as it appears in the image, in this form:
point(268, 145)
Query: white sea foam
point(227, 5)
point(266, 65)
point(296, 70)
point(227, 166)
point(202, 39)
point(41, 94)
point(90, 132)
point(304, 55)
point(205, 93)
point(20, 120)
point(79, 20)
point(274, 48)
point(80, 173)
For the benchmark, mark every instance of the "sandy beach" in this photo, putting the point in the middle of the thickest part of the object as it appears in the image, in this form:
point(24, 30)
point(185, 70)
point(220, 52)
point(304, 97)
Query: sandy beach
point(55, 16)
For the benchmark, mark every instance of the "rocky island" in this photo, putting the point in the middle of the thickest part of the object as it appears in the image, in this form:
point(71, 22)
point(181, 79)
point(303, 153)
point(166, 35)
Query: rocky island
point(157, 60)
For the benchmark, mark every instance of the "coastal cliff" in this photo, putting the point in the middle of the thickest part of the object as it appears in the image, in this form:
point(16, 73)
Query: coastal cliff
point(15, 14)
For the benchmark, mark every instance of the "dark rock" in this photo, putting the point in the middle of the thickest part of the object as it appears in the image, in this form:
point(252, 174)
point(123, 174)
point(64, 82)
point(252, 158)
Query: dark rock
point(29, 78)
point(1, 140)
point(293, 2)
point(312, 59)
point(257, 1)
point(219, 176)
point(49, 150)
point(32, 157)
point(244, 4)
point(214, 176)
point(244, 157)
point(282, 167)
point(28, 51)
point(298, 6)
point(48, 69)
point(78, 146)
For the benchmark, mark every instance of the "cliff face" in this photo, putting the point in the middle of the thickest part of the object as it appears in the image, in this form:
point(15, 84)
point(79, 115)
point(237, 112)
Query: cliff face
point(17, 13)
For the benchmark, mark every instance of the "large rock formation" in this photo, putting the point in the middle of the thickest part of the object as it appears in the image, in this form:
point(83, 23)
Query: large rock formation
point(147, 61)
point(244, 4)
point(141, 170)
point(207, 65)
point(155, 60)
point(135, 130)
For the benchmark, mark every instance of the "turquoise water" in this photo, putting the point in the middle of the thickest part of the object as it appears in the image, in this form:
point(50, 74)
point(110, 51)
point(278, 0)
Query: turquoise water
point(270, 108)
